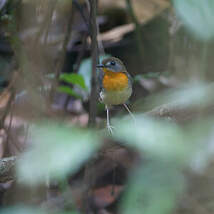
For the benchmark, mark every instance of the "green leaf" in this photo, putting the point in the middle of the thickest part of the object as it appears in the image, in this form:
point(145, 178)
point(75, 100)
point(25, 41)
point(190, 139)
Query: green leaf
point(154, 188)
point(189, 96)
point(198, 16)
point(162, 140)
point(69, 91)
point(56, 151)
point(22, 210)
point(75, 79)
point(30, 210)
point(156, 139)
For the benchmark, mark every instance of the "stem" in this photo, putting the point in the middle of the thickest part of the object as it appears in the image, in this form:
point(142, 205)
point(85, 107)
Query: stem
point(95, 61)
point(89, 179)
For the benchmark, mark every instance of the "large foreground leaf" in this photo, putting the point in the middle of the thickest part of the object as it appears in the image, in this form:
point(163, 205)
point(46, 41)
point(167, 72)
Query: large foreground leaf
point(198, 16)
point(56, 151)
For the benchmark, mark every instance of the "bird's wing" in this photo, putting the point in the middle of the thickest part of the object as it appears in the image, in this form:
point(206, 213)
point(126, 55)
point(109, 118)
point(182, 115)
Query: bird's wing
point(130, 78)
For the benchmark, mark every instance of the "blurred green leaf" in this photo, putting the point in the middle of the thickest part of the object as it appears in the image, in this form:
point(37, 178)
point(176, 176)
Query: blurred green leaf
point(162, 140)
point(193, 95)
point(201, 132)
point(56, 151)
point(154, 188)
point(69, 91)
point(29, 210)
point(157, 139)
point(150, 75)
point(198, 16)
point(167, 149)
point(22, 210)
point(75, 79)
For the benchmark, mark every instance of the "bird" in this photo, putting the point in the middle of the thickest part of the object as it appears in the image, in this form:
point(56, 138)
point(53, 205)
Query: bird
point(115, 85)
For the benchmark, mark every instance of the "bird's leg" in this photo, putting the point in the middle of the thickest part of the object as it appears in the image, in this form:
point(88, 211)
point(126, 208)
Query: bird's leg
point(109, 127)
point(132, 116)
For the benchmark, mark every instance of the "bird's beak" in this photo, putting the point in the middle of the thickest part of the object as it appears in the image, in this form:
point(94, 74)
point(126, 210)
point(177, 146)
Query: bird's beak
point(100, 66)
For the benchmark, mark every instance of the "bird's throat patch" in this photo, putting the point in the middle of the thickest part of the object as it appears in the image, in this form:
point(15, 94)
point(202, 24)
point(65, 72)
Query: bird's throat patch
point(114, 81)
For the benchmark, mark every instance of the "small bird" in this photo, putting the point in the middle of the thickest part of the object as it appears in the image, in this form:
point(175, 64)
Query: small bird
point(115, 85)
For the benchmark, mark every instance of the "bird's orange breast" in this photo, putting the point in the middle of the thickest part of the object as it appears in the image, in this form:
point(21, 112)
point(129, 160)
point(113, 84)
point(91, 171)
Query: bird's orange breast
point(114, 81)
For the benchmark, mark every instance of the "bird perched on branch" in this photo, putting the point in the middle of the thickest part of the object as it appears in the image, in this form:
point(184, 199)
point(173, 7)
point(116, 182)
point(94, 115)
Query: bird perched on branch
point(115, 85)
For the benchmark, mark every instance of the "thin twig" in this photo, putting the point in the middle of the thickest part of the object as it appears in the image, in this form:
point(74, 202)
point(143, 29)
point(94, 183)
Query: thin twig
point(89, 179)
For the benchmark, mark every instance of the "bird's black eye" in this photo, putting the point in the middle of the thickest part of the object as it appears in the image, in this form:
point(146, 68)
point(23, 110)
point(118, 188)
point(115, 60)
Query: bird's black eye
point(113, 63)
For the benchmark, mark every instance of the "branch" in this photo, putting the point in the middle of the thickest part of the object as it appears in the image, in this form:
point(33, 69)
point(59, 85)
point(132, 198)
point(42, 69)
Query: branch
point(95, 61)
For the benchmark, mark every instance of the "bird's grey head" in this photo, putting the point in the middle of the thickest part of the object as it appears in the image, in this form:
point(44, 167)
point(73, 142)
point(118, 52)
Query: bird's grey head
point(113, 64)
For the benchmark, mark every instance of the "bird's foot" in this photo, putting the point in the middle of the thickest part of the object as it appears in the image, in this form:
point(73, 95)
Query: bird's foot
point(110, 129)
